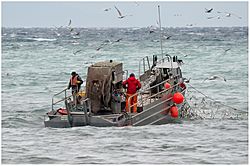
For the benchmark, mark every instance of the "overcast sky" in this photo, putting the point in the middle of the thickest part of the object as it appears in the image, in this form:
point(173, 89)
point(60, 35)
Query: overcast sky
point(144, 14)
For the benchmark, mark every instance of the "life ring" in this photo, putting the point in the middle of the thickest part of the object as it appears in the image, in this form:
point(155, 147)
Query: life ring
point(62, 111)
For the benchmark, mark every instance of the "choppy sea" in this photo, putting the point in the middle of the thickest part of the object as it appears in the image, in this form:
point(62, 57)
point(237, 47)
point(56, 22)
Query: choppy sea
point(37, 62)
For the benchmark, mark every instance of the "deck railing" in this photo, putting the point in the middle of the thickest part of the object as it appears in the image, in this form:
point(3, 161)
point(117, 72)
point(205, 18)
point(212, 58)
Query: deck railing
point(66, 97)
point(142, 98)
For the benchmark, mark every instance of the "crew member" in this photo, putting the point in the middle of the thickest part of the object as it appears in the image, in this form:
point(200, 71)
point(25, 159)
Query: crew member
point(132, 85)
point(75, 84)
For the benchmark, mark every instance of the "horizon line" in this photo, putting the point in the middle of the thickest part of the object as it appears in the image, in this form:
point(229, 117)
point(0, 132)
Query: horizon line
point(132, 27)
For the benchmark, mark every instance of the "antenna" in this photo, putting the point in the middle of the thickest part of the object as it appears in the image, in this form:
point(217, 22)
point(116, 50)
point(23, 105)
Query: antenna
point(159, 13)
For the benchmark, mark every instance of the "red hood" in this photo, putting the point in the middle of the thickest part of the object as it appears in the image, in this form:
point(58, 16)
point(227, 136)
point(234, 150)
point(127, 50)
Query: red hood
point(131, 78)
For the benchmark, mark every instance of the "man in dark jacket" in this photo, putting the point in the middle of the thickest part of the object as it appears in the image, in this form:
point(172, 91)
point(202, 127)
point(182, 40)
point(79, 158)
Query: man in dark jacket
point(75, 84)
point(132, 85)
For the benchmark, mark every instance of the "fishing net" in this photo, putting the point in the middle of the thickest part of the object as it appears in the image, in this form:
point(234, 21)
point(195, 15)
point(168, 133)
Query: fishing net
point(197, 105)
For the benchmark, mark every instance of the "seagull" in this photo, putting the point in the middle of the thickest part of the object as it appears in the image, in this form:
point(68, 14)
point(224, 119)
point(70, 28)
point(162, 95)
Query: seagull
point(69, 23)
point(152, 29)
point(210, 17)
point(218, 17)
point(208, 10)
point(120, 14)
point(229, 14)
point(106, 42)
point(232, 14)
point(58, 34)
point(76, 52)
point(167, 37)
point(186, 80)
point(203, 100)
point(118, 40)
point(226, 50)
point(57, 27)
point(157, 23)
point(185, 55)
point(177, 15)
point(136, 3)
point(215, 77)
point(107, 9)
point(98, 48)
point(103, 44)
point(189, 25)
point(77, 33)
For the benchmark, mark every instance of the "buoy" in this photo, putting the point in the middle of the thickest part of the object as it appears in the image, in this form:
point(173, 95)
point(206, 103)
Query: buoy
point(167, 85)
point(178, 98)
point(174, 112)
point(62, 111)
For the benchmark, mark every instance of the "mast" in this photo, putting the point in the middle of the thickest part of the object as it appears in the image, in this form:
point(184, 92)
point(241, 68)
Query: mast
point(159, 14)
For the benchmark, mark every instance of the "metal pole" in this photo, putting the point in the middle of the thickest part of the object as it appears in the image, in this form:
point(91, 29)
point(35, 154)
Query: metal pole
point(148, 63)
point(144, 65)
point(52, 104)
point(160, 30)
point(139, 69)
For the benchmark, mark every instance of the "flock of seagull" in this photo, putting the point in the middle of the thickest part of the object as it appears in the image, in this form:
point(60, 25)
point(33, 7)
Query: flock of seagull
point(226, 14)
point(219, 15)
point(152, 30)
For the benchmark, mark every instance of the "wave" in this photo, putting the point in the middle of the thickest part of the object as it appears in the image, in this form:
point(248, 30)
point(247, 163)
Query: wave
point(38, 39)
point(20, 122)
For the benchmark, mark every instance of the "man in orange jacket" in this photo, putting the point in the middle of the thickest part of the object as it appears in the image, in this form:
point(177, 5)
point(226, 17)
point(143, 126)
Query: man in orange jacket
point(132, 85)
point(75, 84)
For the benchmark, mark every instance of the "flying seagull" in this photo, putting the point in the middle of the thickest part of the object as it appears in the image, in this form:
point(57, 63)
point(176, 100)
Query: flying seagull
point(58, 34)
point(69, 23)
point(104, 43)
point(167, 37)
point(218, 17)
point(186, 80)
point(177, 15)
point(76, 52)
point(136, 3)
point(232, 14)
point(152, 29)
point(208, 10)
point(118, 40)
point(185, 55)
point(107, 42)
point(120, 14)
point(229, 14)
point(77, 33)
point(210, 17)
point(107, 9)
point(215, 77)
point(226, 50)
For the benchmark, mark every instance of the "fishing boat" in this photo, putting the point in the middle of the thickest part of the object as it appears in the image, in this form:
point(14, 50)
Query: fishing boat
point(102, 102)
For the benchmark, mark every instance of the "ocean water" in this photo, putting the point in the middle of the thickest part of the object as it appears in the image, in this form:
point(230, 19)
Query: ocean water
point(37, 62)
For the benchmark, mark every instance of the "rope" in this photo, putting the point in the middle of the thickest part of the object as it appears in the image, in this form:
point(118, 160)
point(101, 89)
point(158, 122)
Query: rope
point(212, 98)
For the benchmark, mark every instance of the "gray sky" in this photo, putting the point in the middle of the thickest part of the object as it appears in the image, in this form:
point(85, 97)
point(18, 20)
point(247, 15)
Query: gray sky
point(144, 14)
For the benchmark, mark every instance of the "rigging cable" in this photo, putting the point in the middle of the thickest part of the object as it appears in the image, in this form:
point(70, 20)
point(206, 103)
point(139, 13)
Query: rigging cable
point(212, 98)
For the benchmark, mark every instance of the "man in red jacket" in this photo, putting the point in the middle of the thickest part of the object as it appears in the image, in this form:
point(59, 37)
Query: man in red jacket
point(132, 85)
